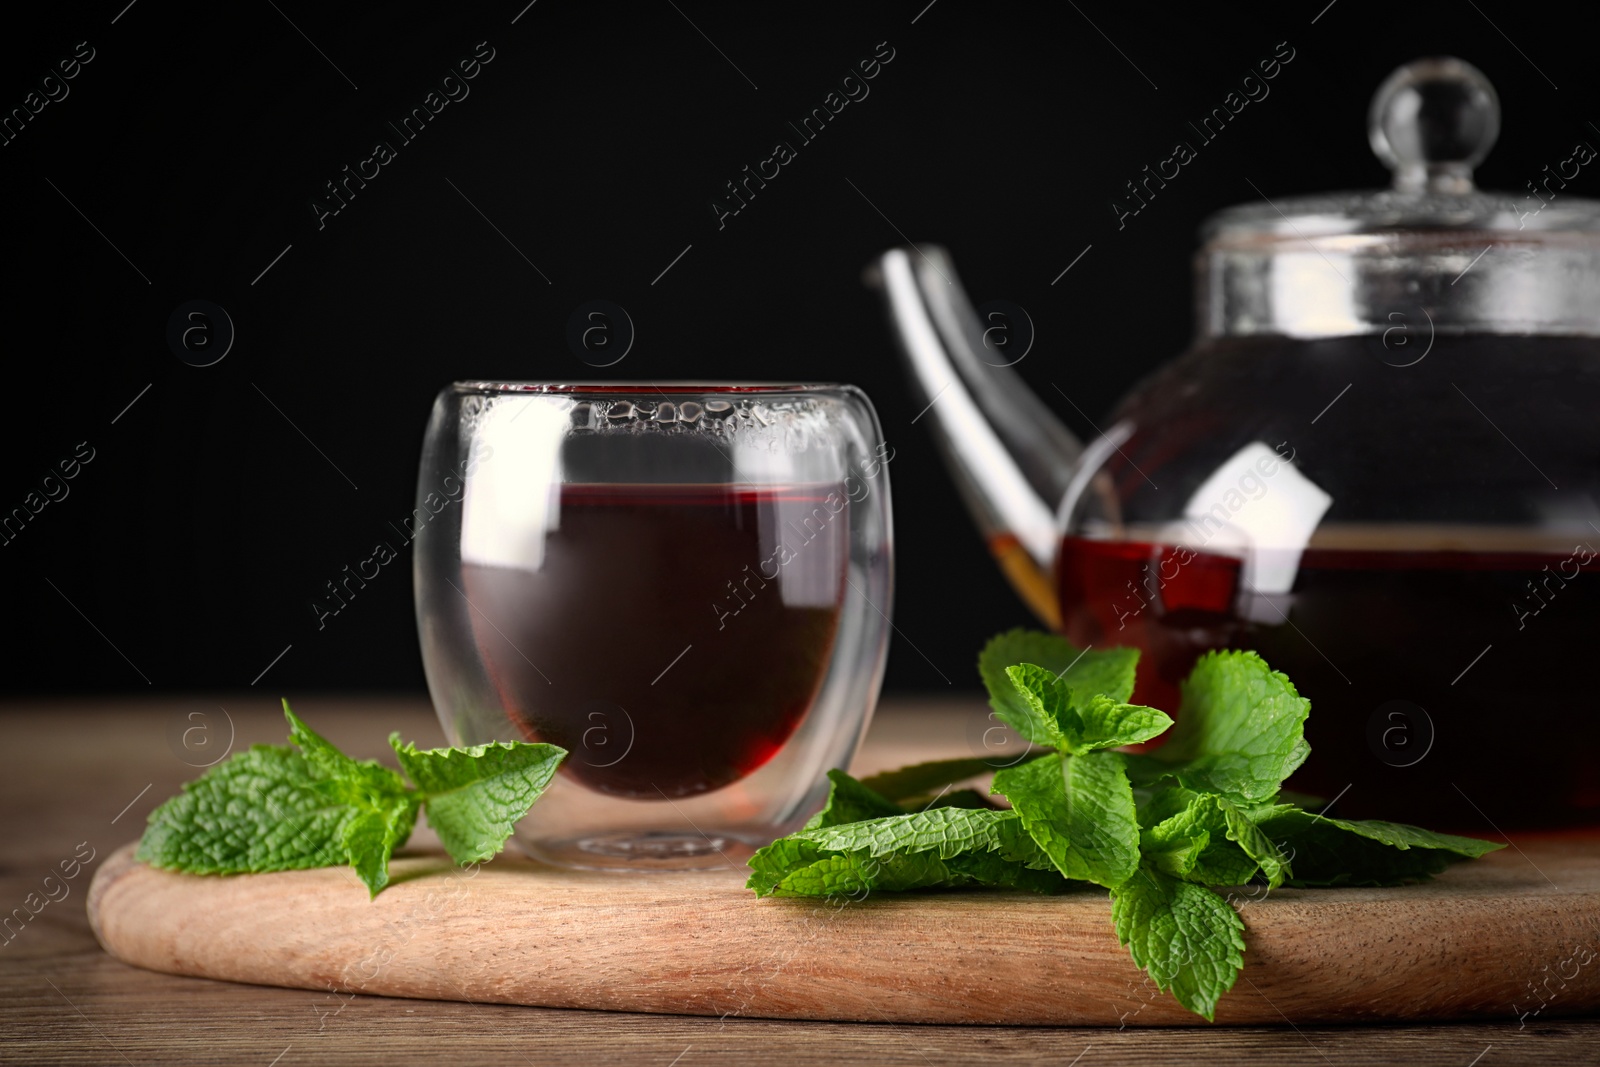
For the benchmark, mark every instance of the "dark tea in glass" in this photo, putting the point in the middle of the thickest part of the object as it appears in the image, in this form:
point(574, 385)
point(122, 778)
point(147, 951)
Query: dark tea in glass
point(684, 586)
point(669, 625)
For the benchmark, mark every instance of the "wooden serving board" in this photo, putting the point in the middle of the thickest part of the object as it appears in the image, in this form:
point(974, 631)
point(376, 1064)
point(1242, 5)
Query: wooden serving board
point(1515, 933)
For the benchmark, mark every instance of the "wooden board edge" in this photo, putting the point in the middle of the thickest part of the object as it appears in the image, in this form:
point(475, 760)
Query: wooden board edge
point(1248, 1004)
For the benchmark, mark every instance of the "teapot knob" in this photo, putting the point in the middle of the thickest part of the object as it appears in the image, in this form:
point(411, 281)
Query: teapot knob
point(1431, 122)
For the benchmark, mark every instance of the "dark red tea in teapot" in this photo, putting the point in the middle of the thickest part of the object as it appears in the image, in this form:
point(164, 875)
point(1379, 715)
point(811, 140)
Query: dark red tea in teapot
point(1426, 669)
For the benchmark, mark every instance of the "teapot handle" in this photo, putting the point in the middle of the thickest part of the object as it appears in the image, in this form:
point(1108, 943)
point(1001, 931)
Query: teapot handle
point(1011, 458)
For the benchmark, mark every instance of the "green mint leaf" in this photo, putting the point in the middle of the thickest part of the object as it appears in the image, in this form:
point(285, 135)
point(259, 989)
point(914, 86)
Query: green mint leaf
point(1080, 811)
point(1243, 830)
point(920, 779)
point(857, 874)
point(473, 796)
point(1176, 854)
point(381, 811)
point(994, 870)
point(769, 866)
point(264, 809)
point(1147, 772)
point(851, 801)
point(1049, 703)
point(1330, 852)
point(1402, 836)
point(1108, 673)
point(371, 835)
point(1174, 831)
point(1194, 842)
point(1076, 726)
point(1161, 803)
point(941, 847)
point(1240, 728)
point(946, 832)
point(1189, 940)
point(327, 760)
point(1109, 723)
point(1089, 673)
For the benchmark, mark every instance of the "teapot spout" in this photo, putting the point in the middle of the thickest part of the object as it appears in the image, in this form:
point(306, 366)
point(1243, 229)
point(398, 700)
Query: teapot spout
point(1012, 459)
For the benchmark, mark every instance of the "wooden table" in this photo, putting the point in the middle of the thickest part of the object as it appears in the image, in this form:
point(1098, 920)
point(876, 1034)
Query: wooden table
point(82, 776)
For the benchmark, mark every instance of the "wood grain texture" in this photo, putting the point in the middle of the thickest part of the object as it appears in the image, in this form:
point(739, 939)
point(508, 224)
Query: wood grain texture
point(91, 770)
point(1477, 941)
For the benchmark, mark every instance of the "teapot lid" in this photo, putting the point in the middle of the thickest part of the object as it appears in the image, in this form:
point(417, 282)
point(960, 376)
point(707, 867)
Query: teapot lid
point(1415, 245)
point(1431, 122)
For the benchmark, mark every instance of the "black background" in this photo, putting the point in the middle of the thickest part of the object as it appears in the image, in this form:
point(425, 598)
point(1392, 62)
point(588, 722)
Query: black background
point(595, 141)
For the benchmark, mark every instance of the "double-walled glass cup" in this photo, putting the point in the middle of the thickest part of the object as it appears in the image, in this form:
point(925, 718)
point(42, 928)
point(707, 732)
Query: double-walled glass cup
point(686, 586)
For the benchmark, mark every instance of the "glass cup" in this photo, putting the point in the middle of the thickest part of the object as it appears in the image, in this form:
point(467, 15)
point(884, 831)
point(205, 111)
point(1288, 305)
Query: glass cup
point(684, 585)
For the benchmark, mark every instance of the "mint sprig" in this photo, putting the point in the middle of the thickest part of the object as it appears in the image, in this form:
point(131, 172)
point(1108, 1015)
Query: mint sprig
point(1161, 830)
point(276, 808)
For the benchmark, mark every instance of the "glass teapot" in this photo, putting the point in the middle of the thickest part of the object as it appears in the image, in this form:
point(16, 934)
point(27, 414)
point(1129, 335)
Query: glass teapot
point(1377, 466)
